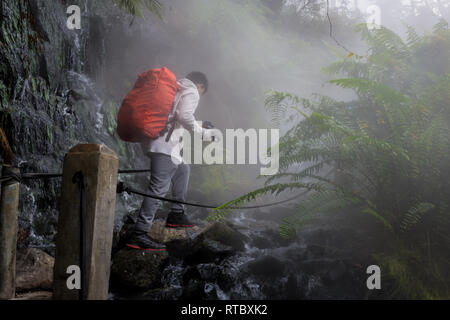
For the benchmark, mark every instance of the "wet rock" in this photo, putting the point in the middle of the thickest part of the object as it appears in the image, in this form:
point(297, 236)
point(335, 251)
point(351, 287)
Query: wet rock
point(225, 234)
point(160, 233)
point(212, 244)
point(34, 270)
point(208, 251)
point(213, 292)
point(293, 290)
point(169, 293)
point(262, 243)
point(314, 252)
point(208, 271)
point(266, 266)
point(36, 295)
point(194, 290)
point(212, 273)
point(22, 235)
point(138, 269)
point(121, 237)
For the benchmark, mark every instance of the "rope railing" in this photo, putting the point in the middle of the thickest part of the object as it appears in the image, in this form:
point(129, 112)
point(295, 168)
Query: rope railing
point(121, 188)
point(86, 216)
point(4, 179)
point(37, 176)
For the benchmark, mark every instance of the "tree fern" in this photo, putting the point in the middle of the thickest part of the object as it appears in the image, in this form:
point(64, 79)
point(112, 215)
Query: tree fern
point(387, 147)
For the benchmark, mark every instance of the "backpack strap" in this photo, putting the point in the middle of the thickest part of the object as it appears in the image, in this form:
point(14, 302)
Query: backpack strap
point(171, 130)
point(170, 125)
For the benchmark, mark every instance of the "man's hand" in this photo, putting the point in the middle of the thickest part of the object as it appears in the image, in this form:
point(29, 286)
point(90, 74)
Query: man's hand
point(212, 135)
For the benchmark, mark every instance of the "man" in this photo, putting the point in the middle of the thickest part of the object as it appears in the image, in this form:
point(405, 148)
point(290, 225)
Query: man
point(164, 170)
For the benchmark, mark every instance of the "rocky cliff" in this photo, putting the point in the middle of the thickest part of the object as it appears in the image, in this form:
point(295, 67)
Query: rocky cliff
point(54, 96)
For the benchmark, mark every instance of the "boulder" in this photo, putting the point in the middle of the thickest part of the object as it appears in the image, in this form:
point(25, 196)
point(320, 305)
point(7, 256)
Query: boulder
point(208, 250)
point(225, 234)
point(138, 269)
point(121, 236)
point(35, 295)
point(212, 244)
point(223, 276)
point(160, 233)
point(143, 270)
point(34, 270)
point(266, 266)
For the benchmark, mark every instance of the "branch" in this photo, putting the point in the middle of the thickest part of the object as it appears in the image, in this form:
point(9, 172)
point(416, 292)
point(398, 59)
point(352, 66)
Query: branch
point(350, 53)
point(307, 3)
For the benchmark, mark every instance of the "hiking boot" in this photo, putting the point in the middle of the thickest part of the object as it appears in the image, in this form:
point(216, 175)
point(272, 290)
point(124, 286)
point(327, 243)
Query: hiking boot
point(178, 220)
point(142, 241)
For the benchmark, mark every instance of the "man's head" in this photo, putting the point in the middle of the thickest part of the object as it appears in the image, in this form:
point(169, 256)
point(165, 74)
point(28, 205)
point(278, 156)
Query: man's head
point(200, 80)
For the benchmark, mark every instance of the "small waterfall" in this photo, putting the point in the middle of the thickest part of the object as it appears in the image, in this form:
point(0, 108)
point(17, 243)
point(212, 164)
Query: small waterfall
point(85, 87)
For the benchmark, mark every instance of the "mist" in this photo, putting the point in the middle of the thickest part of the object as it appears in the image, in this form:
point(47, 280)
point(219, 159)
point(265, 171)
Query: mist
point(356, 177)
point(246, 48)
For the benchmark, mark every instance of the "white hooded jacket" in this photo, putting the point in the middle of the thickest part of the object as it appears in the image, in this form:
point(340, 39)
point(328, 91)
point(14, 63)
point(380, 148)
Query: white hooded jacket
point(185, 103)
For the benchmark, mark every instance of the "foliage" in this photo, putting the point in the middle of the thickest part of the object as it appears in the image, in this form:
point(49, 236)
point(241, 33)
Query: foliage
point(389, 149)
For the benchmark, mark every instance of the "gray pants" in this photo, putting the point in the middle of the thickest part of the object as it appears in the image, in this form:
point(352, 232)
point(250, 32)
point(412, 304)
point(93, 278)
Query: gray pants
point(163, 171)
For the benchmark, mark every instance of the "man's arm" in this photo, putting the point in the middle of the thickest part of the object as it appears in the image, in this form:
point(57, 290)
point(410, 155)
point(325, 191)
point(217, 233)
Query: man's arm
point(185, 116)
point(185, 113)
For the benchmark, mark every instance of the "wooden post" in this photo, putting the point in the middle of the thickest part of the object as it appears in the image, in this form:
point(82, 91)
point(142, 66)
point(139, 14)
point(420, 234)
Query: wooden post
point(99, 167)
point(9, 204)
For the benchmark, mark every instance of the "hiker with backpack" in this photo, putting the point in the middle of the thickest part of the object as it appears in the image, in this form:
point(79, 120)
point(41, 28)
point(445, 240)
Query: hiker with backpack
point(151, 113)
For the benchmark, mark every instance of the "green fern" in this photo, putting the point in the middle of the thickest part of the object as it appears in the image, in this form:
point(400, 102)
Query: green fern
point(414, 215)
point(413, 39)
point(441, 27)
point(385, 149)
point(226, 209)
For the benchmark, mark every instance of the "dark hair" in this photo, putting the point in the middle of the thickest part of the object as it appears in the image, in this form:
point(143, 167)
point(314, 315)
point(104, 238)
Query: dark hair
point(198, 78)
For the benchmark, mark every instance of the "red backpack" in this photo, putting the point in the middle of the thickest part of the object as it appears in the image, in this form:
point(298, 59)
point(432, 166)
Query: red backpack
point(146, 108)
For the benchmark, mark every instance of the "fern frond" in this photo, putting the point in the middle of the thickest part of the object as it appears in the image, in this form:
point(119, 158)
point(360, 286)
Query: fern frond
point(277, 103)
point(371, 211)
point(309, 171)
point(441, 28)
point(372, 147)
point(226, 209)
point(382, 93)
point(413, 216)
point(413, 38)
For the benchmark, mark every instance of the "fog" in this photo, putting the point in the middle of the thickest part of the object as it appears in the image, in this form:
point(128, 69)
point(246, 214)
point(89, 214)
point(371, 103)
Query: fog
point(247, 48)
point(364, 125)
